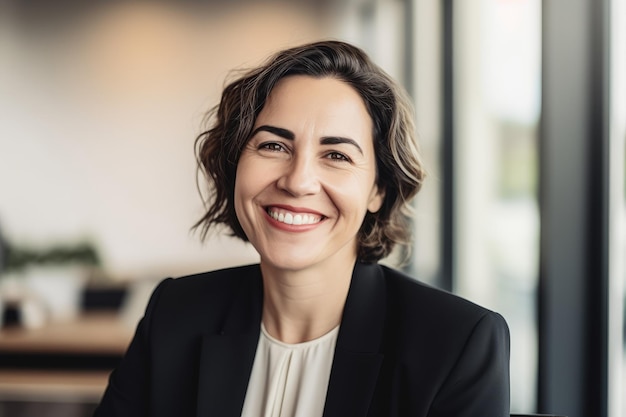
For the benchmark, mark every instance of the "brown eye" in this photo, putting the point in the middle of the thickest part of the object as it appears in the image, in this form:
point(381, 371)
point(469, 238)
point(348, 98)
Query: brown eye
point(337, 156)
point(272, 147)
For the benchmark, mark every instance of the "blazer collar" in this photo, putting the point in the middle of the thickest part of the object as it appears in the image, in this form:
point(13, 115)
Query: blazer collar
point(358, 354)
point(228, 356)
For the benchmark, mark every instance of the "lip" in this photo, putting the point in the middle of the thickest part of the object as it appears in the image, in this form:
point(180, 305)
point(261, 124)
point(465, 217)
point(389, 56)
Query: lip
point(294, 209)
point(292, 227)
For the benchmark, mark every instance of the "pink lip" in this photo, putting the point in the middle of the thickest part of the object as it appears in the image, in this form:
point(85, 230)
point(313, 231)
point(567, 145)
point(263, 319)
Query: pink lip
point(292, 227)
point(295, 209)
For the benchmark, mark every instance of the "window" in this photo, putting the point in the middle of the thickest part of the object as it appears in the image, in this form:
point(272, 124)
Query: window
point(496, 88)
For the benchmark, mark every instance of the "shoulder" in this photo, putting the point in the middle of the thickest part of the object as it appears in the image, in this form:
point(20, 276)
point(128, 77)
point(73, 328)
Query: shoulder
point(214, 282)
point(449, 345)
point(419, 309)
point(204, 292)
point(422, 297)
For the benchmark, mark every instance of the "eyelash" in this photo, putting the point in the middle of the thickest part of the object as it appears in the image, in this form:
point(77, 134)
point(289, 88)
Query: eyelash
point(338, 156)
point(272, 147)
point(279, 147)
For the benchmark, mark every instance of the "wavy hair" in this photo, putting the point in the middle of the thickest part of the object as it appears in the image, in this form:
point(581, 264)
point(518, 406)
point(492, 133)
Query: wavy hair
point(399, 170)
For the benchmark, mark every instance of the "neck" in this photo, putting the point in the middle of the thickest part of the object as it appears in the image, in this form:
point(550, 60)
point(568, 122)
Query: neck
point(299, 306)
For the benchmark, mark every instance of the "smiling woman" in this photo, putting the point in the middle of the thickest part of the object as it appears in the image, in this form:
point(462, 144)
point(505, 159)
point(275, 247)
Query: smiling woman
point(312, 158)
point(306, 173)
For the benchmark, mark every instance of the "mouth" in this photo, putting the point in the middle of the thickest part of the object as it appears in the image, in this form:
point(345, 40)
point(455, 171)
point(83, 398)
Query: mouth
point(292, 218)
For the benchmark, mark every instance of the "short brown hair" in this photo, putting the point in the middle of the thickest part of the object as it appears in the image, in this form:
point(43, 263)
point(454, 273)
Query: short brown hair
point(399, 170)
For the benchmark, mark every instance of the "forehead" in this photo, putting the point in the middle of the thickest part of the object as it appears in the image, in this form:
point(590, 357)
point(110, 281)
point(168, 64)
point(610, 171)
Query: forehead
point(325, 102)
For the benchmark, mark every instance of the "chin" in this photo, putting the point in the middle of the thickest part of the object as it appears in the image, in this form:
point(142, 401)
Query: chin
point(291, 262)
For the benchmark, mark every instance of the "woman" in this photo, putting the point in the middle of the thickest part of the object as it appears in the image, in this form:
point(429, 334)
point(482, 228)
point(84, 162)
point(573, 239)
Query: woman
point(312, 159)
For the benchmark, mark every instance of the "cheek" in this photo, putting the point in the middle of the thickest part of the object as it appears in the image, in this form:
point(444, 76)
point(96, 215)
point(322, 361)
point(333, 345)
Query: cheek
point(240, 191)
point(352, 198)
point(248, 184)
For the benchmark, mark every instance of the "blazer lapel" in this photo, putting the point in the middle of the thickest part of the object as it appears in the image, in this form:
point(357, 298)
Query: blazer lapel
point(357, 358)
point(227, 356)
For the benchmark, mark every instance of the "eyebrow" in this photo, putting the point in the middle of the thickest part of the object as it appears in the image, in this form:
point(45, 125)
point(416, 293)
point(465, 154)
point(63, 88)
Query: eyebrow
point(289, 135)
point(338, 140)
point(278, 131)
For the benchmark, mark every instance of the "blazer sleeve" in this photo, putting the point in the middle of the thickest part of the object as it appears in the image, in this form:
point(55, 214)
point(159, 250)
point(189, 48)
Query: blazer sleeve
point(478, 384)
point(127, 392)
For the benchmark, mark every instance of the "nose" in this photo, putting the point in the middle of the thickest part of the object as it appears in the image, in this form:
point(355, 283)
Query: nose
point(299, 177)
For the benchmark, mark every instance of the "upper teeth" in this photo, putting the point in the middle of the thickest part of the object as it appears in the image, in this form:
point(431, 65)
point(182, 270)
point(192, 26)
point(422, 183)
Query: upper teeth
point(295, 219)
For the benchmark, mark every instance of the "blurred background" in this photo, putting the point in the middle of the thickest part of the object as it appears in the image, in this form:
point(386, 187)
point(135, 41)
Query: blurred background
point(521, 109)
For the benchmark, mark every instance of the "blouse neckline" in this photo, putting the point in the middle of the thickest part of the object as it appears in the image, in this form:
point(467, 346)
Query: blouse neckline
point(303, 345)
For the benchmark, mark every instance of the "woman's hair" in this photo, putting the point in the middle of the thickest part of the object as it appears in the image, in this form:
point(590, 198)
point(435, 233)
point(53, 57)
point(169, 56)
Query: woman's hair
point(399, 170)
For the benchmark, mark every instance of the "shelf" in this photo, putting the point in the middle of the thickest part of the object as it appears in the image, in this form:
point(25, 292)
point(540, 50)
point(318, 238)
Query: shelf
point(80, 343)
point(63, 386)
point(92, 333)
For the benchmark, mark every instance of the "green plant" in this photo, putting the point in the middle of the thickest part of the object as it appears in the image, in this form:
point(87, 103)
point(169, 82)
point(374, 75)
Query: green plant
point(20, 257)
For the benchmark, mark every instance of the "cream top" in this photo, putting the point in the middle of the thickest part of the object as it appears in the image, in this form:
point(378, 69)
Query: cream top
point(290, 380)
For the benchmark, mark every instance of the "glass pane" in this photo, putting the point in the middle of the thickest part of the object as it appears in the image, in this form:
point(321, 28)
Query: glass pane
point(618, 390)
point(427, 46)
point(497, 84)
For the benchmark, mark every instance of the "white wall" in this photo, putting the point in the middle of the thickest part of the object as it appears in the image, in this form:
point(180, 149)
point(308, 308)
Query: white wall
point(98, 114)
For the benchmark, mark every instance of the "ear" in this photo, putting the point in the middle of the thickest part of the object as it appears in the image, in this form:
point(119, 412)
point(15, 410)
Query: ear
point(377, 196)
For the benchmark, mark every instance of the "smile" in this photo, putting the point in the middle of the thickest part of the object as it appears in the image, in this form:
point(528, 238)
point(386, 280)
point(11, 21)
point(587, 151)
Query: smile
point(296, 219)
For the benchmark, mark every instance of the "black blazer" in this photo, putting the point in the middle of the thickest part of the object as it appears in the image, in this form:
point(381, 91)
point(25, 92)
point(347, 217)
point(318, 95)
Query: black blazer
point(403, 349)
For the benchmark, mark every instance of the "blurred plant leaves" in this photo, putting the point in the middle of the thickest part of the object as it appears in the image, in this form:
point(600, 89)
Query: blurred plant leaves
point(20, 257)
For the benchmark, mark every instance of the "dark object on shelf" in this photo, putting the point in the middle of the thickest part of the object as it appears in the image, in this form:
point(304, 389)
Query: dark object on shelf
point(10, 316)
point(97, 298)
point(3, 252)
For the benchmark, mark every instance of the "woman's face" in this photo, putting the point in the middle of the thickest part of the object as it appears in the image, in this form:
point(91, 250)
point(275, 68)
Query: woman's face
point(307, 176)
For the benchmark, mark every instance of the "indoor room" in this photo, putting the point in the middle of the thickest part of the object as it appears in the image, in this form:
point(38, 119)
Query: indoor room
point(520, 111)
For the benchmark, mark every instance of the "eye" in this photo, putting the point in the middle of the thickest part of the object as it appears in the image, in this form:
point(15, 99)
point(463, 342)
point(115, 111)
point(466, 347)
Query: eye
point(337, 156)
point(272, 147)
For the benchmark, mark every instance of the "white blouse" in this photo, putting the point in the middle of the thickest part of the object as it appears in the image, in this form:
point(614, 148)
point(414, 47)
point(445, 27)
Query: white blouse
point(290, 380)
